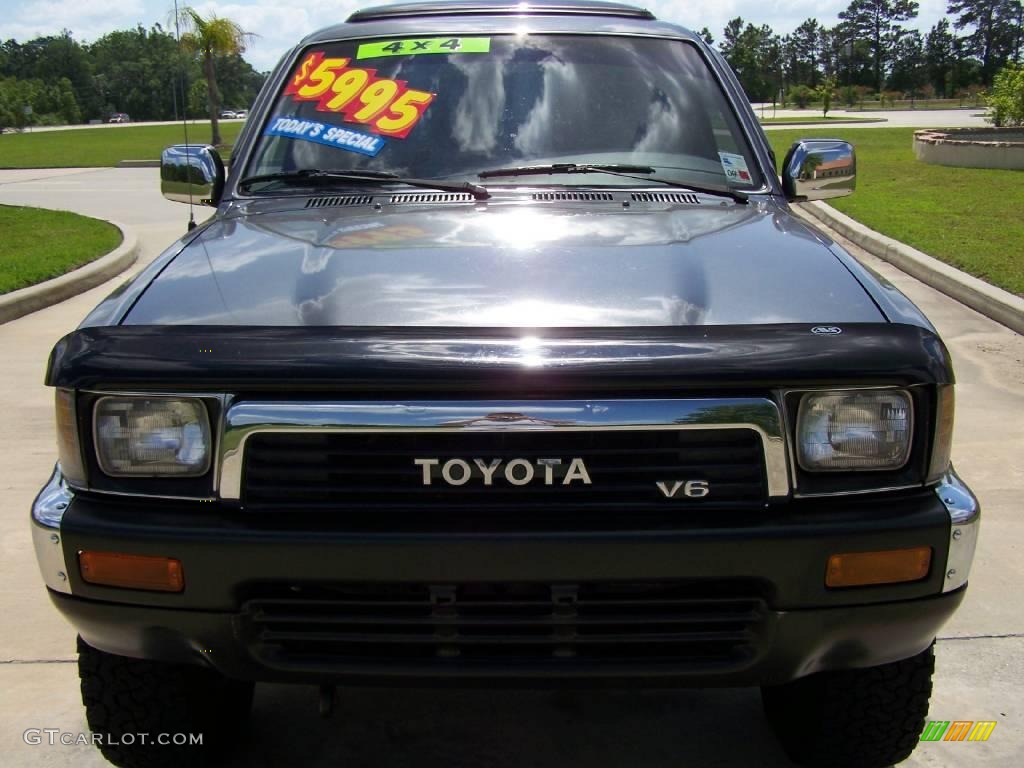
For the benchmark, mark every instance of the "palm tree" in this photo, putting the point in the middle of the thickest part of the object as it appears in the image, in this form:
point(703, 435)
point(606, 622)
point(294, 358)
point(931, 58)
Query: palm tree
point(211, 37)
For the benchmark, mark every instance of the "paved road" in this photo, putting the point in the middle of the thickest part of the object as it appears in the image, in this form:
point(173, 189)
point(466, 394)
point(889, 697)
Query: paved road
point(939, 118)
point(980, 653)
point(116, 126)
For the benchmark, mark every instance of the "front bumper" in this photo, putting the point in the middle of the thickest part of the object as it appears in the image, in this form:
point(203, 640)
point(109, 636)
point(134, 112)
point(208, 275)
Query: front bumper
point(773, 567)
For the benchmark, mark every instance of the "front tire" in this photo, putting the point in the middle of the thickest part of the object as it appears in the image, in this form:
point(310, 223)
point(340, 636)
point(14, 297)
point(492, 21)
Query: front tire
point(126, 697)
point(854, 718)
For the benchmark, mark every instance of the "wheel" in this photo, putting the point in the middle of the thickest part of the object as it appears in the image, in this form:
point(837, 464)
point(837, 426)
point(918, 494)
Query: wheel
point(856, 718)
point(125, 698)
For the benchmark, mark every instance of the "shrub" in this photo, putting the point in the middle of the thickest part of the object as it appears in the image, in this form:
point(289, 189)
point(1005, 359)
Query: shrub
point(825, 92)
point(1006, 99)
point(890, 98)
point(802, 95)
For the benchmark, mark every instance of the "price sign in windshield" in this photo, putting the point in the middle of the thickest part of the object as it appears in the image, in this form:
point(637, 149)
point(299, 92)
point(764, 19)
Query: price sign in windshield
point(387, 106)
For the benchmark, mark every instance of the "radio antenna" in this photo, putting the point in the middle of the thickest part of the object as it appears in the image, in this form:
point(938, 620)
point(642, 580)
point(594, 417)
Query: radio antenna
point(184, 114)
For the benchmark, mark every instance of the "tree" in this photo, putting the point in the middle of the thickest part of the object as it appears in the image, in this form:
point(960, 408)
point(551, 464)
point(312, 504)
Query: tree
point(197, 99)
point(731, 38)
point(209, 38)
point(996, 38)
point(876, 21)
point(238, 81)
point(910, 71)
point(805, 47)
point(138, 72)
point(830, 54)
point(755, 54)
point(939, 57)
point(705, 33)
point(1018, 45)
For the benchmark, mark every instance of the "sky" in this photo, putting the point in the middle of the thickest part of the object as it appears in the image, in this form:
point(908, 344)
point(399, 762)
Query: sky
point(280, 24)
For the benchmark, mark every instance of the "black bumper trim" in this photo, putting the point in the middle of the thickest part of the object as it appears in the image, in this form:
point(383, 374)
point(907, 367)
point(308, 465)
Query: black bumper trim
point(799, 643)
point(778, 555)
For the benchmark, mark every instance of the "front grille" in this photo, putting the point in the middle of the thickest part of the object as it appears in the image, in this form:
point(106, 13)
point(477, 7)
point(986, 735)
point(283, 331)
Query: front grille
point(375, 474)
point(325, 626)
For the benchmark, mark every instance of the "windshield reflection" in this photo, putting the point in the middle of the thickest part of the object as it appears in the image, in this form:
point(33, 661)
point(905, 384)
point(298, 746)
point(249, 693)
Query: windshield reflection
point(532, 98)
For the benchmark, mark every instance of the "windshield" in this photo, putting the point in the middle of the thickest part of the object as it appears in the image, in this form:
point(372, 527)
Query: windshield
point(445, 108)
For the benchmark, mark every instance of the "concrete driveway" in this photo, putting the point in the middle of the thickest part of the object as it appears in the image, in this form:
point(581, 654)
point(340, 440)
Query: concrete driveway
point(980, 653)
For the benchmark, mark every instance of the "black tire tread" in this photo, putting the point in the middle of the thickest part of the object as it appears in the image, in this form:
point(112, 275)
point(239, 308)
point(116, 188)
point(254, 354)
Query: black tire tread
point(856, 718)
point(132, 696)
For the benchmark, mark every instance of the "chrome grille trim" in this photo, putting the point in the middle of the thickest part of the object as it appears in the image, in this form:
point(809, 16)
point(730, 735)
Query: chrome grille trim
point(244, 419)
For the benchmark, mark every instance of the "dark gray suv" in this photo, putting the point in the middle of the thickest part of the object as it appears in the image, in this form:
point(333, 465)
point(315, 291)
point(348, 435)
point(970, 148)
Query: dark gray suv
point(504, 360)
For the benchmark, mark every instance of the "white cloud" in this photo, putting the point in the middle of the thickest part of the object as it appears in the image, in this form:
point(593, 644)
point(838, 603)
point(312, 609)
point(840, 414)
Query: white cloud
point(87, 20)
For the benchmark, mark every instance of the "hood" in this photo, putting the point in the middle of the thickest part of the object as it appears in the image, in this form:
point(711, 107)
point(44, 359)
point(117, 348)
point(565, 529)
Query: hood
point(512, 263)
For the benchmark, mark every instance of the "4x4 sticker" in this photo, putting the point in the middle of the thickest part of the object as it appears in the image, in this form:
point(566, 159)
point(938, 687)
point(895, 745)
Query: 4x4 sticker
point(329, 135)
point(424, 45)
point(735, 167)
point(386, 106)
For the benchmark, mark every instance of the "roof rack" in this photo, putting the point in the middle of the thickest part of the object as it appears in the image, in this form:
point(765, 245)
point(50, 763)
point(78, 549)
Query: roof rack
point(500, 8)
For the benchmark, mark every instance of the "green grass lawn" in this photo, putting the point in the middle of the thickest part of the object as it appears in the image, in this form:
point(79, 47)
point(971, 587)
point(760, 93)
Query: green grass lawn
point(971, 218)
point(38, 244)
point(95, 147)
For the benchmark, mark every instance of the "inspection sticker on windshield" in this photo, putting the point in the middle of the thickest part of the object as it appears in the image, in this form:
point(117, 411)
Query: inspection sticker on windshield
point(328, 135)
point(424, 45)
point(735, 167)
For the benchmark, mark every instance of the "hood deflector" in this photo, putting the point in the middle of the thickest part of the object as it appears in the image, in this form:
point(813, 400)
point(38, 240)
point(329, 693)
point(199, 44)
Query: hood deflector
point(532, 363)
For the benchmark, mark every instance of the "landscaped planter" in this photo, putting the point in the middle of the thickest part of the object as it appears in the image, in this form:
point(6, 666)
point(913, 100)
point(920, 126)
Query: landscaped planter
point(971, 147)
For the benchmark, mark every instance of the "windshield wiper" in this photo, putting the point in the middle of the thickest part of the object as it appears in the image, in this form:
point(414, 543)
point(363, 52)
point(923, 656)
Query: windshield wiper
point(535, 170)
point(315, 175)
point(612, 169)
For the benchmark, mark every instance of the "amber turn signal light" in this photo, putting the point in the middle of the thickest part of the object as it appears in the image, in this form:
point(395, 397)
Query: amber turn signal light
point(892, 566)
point(113, 569)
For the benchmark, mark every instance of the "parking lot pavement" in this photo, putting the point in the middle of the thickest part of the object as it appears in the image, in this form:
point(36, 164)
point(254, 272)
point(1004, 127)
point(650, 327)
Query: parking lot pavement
point(980, 652)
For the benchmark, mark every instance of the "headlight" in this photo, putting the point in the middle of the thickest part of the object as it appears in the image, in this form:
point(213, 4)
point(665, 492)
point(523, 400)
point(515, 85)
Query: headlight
point(152, 436)
point(864, 429)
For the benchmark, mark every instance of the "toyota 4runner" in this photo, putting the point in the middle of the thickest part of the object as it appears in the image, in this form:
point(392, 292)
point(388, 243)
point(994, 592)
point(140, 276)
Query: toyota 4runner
point(504, 360)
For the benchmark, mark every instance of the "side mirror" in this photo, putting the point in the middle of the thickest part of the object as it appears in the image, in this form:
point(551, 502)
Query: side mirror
point(817, 169)
point(192, 173)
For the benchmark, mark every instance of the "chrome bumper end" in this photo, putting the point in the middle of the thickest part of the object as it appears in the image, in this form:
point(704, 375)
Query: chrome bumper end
point(965, 521)
point(47, 512)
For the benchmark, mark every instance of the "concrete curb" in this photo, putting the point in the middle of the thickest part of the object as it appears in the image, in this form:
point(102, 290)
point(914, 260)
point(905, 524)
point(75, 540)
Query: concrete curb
point(137, 164)
point(995, 303)
point(35, 297)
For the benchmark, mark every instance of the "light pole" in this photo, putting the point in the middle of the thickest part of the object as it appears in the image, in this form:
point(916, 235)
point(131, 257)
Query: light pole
point(848, 50)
